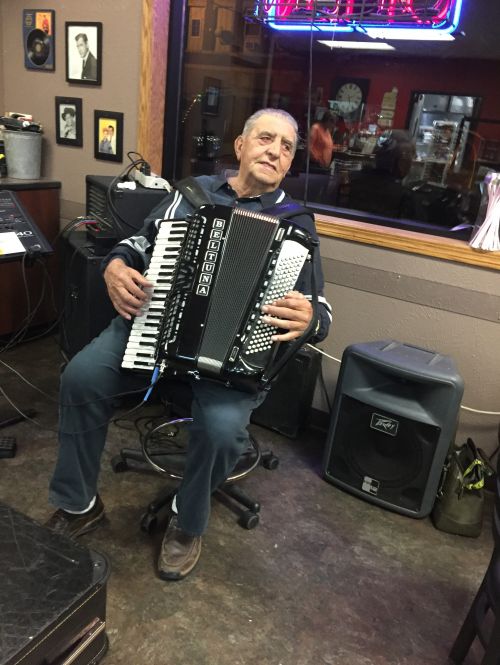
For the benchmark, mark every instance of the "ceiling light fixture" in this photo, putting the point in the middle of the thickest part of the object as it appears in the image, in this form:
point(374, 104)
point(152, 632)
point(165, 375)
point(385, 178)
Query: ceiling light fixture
point(372, 46)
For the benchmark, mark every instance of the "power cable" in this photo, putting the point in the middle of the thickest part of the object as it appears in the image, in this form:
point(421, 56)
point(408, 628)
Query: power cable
point(462, 406)
point(19, 336)
point(116, 219)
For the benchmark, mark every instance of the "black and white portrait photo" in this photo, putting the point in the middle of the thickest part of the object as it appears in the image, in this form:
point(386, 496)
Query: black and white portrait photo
point(83, 53)
point(69, 121)
point(68, 127)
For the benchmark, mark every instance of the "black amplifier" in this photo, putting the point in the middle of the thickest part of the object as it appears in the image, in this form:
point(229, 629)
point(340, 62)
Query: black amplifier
point(19, 233)
point(131, 205)
point(287, 408)
point(85, 305)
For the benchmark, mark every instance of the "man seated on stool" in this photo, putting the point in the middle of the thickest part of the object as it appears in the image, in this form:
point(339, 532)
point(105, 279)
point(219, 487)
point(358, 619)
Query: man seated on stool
point(218, 435)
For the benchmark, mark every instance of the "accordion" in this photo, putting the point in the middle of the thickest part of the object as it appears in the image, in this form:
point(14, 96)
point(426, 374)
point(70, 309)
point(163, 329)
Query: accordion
point(212, 273)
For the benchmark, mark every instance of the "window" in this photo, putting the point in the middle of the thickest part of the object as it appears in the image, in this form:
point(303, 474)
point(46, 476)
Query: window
point(402, 133)
point(195, 27)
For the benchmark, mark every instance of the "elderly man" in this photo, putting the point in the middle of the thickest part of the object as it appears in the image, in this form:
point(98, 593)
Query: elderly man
point(218, 435)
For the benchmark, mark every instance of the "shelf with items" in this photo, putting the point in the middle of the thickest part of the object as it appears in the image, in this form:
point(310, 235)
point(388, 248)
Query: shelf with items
point(437, 142)
point(489, 162)
point(363, 133)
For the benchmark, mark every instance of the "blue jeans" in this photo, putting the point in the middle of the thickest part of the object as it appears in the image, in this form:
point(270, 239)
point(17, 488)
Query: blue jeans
point(218, 434)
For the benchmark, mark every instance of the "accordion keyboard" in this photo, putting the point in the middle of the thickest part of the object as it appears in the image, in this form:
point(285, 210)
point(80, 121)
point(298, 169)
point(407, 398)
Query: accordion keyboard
point(140, 353)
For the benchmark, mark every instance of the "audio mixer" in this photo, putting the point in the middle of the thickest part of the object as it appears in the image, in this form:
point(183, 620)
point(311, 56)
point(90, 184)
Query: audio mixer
point(18, 232)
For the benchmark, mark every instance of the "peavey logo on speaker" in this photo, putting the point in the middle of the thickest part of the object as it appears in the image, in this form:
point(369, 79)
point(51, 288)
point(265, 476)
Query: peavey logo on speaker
point(384, 424)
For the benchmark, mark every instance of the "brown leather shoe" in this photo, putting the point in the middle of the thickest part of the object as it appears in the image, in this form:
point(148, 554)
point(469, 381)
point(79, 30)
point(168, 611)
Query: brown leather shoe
point(68, 524)
point(179, 552)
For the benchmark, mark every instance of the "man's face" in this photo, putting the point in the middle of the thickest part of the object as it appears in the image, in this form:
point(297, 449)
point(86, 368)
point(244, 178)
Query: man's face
point(265, 153)
point(82, 47)
point(69, 120)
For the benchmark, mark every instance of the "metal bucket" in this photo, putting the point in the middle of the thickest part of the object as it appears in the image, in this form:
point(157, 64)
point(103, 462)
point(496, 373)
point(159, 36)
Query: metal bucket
point(23, 153)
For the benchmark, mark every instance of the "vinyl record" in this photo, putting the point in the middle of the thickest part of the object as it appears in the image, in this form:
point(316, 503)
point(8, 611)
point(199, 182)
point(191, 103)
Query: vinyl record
point(38, 47)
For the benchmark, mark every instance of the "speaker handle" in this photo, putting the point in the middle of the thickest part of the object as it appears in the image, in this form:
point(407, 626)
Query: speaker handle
point(412, 346)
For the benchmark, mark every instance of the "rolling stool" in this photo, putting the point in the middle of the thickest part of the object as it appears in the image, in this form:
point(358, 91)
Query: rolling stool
point(487, 601)
point(168, 460)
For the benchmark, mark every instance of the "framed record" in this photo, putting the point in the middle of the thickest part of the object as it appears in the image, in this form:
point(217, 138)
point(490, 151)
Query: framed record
point(84, 53)
point(39, 39)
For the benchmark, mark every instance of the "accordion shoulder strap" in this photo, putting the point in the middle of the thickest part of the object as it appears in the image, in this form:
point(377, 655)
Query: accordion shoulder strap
point(197, 196)
point(193, 192)
point(287, 210)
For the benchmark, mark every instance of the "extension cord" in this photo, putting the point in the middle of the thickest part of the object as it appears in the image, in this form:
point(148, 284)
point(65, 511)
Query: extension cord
point(151, 181)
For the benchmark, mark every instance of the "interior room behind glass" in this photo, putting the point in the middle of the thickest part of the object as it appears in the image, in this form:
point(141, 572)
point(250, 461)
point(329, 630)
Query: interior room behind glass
point(414, 128)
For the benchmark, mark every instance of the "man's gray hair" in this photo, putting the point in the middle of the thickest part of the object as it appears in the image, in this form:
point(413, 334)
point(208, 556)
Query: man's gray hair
point(279, 113)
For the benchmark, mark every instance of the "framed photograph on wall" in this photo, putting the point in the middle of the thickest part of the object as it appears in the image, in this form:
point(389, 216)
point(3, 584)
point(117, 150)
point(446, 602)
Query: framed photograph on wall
point(108, 136)
point(211, 96)
point(84, 53)
point(69, 121)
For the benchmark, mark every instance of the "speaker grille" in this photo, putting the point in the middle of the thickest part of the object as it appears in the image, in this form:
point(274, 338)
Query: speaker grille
point(96, 202)
point(395, 461)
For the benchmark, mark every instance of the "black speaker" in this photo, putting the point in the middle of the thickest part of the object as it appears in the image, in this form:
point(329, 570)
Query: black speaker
point(85, 305)
point(287, 407)
point(393, 420)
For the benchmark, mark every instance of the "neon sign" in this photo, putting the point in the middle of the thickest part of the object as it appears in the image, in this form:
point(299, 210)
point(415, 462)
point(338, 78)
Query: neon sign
point(391, 19)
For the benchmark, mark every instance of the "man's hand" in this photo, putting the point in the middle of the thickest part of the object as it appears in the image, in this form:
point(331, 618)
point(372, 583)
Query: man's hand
point(293, 313)
point(126, 288)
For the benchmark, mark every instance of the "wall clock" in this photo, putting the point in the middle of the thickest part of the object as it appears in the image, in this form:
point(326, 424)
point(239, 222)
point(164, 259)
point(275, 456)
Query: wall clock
point(348, 95)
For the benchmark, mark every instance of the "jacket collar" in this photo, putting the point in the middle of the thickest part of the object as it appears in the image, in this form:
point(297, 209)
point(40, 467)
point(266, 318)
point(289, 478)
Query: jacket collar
point(267, 199)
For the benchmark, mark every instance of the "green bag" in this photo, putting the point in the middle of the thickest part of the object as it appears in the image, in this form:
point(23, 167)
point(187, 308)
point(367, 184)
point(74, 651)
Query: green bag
point(460, 499)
